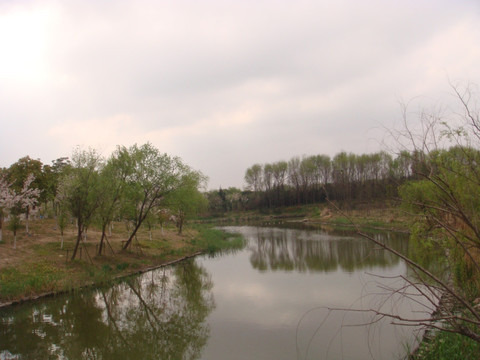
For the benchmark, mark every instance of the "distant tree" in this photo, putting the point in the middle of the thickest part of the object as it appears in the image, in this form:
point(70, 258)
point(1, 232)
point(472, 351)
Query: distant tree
point(401, 168)
point(14, 224)
point(294, 177)
point(253, 178)
point(307, 174)
point(150, 221)
point(279, 170)
point(163, 215)
point(6, 200)
point(223, 199)
point(28, 198)
point(15, 203)
point(19, 172)
point(63, 218)
point(187, 200)
point(268, 183)
point(51, 175)
point(215, 204)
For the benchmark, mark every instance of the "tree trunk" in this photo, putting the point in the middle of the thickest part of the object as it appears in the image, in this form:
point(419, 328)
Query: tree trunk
point(180, 221)
point(79, 238)
point(100, 247)
point(26, 220)
point(132, 235)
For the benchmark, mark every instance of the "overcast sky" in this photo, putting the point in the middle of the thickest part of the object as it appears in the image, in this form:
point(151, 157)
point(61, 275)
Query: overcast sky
point(224, 84)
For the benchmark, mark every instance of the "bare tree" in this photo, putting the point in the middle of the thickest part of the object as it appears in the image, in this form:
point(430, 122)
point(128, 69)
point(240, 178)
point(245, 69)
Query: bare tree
point(444, 150)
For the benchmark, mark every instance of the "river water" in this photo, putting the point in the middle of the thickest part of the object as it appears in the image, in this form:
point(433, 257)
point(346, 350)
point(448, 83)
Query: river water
point(289, 294)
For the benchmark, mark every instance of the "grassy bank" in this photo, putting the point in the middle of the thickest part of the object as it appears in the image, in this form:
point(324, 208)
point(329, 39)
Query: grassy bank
point(39, 265)
point(448, 346)
point(380, 217)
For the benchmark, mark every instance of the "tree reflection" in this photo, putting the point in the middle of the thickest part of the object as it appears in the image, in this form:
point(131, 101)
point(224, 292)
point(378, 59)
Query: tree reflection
point(288, 249)
point(159, 315)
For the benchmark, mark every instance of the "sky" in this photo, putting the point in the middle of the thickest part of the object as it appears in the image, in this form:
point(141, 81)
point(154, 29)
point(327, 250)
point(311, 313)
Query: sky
point(225, 84)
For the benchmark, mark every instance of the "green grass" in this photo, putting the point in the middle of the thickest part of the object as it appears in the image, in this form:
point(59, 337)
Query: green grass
point(46, 249)
point(213, 240)
point(38, 277)
point(122, 266)
point(50, 270)
point(341, 221)
point(162, 245)
point(448, 346)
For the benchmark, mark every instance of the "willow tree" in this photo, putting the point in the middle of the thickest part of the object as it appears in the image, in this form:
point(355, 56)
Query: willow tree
point(78, 190)
point(112, 184)
point(187, 200)
point(154, 176)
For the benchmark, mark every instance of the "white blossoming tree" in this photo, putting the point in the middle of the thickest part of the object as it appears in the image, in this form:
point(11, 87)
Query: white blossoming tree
point(6, 202)
point(13, 204)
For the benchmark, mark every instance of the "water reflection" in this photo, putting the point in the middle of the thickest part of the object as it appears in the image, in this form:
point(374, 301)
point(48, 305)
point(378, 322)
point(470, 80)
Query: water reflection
point(274, 298)
point(160, 315)
point(318, 250)
point(272, 301)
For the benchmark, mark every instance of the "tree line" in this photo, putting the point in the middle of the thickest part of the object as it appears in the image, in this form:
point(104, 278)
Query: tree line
point(313, 179)
point(138, 185)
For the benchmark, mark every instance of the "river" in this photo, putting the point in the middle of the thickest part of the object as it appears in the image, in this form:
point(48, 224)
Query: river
point(290, 293)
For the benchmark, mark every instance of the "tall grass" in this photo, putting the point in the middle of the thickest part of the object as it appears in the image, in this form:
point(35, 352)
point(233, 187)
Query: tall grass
point(448, 346)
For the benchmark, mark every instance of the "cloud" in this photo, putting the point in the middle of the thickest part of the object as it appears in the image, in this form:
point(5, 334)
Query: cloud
point(103, 134)
point(224, 85)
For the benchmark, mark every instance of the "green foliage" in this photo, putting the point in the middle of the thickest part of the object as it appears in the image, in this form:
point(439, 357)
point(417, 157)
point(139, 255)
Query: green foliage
point(19, 171)
point(14, 224)
point(213, 240)
point(448, 346)
point(154, 178)
point(122, 266)
point(425, 247)
point(465, 274)
point(63, 218)
point(106, 268)
point(446, 197)
point(313, 179)
point(187, 200)
point(78, 191)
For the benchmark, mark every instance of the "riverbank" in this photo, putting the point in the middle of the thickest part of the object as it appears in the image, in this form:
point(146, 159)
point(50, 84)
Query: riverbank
point(385, 218)
point(39, 266)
